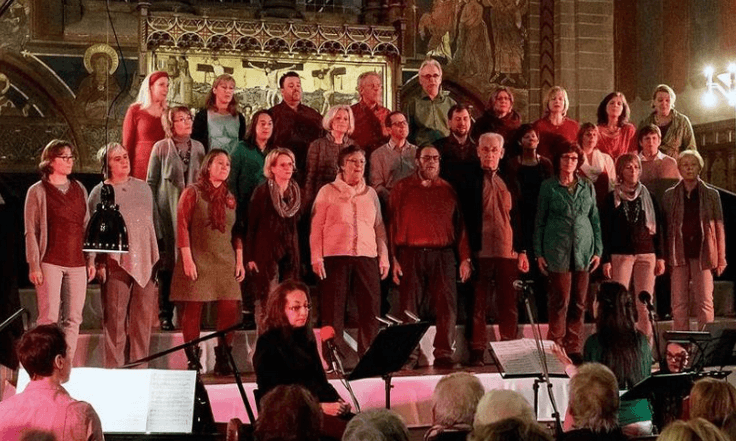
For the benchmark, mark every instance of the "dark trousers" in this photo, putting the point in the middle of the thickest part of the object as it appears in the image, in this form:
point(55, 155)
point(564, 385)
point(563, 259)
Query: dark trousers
point(165, 306)
point(361, 277)
point(501, 273)
point(428, 288)
point(566, 294)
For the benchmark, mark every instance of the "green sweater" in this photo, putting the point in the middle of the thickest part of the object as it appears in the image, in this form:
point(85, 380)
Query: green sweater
point(631, 411)
point(568, 229)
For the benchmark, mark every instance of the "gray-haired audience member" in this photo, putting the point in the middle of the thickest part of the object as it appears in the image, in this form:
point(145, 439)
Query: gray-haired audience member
point(454, 401)
point(510, 429)
point(499, 404)
point(694, 430)
point(288, 413)
point(376, 425)
point(44, 410)
point(594, 405)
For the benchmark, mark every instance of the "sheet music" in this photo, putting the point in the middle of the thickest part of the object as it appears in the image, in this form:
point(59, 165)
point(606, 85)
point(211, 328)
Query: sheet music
point(520, 357)
point(171, 402)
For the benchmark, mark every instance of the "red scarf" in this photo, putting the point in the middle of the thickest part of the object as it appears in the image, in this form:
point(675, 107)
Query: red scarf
point(219, 199)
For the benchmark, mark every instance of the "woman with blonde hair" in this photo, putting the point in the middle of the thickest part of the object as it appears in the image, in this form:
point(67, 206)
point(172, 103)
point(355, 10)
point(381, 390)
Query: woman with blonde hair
point(174, 164)
point(554, 126)
point(272, 241)
point(712, 400)
point(142, 124)
point(676, 130)
point(694, 430)
point(322, 154)
point(220, 125)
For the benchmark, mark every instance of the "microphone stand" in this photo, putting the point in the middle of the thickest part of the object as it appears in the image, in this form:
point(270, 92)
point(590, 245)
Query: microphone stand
point(527, 294)
point(12, 318)
point(653, 322)
point(340, 371)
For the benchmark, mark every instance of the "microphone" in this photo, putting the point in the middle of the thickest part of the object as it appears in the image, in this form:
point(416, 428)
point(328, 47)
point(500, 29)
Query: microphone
point(646, 299)
point(522, 284)
point(327, 335)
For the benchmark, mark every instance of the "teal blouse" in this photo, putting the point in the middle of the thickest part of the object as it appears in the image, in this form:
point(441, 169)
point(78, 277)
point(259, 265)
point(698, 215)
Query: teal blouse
point(568, 229)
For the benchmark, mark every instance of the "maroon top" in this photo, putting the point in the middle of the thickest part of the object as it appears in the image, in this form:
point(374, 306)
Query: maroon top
point(691, 228)
point(141, 131)
point(427, 216)
point(65, 219)
point(370, 131)
point(295, 130)
point(550, 134)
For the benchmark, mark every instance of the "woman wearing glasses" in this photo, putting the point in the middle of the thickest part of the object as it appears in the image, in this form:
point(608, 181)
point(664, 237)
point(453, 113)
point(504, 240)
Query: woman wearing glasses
point(174, 164)
point(272, 242)
point(286, 352)
point(56, 216)
point(568, 246)
point(348, 247)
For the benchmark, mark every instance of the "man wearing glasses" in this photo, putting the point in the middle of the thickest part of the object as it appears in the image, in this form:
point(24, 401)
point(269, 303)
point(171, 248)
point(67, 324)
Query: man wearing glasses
point(427, 231)
point(394, 160)
point(428, 113)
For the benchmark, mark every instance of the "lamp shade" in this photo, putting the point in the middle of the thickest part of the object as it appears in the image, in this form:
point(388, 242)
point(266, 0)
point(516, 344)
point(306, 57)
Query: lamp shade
point(106, 230)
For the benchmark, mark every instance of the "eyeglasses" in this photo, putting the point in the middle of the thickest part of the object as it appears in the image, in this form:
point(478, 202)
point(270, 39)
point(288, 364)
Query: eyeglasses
point(400, 123)
point(356, 161)
point(573, 158)
point(435, 77)
point(67, 158)
point(433, 158)
point(677, 357)
point(298, 308)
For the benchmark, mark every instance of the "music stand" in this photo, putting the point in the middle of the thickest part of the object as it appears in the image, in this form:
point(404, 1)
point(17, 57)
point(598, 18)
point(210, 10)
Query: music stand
point(388, 353)
point(721, 354)
point(662, 390)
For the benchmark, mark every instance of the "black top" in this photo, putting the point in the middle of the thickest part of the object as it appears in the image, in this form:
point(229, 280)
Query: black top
point(527, 179)
point(625, 231)
point(291, 358)
point(201, 131)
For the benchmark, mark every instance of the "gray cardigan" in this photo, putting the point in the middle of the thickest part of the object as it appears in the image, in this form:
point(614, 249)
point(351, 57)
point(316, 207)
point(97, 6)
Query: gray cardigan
point(36, 227)
point(167, 180)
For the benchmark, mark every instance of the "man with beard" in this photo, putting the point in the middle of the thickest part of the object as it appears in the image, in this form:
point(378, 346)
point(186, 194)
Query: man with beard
point(458, 151)
point(427, 231)
point(295, 125)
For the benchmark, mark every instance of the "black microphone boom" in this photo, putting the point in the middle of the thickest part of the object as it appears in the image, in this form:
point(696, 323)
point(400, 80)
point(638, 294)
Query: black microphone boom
point(646, 299)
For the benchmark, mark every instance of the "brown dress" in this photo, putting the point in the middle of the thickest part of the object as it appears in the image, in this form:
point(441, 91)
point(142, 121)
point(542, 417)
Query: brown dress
point(213, 254)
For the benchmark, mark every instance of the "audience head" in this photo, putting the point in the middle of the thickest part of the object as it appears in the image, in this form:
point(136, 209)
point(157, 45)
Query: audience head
point(397, 125)
point(455, 399)
point(261, 127)
point(628, 168)
point(154, 89)
point(677, 357)
point(498, 404)
point(291, 88)
point(729, 426)
point(614, 105)
point(212, 163)
point(510, 429)
point(690, 164)
point(649, 138)
point(339, 118)
point(501, 102)
point(57, 155)
point(458, 118)
point(277, 161)
point(43, 352)
point(663, 99)
point(588, 136)
point(370, 87)
point(694, 430)
point(177, 122)
point(223, 93)
point(430, 77)
point(376, 425)
point(289, 294)
point(490, 150)
point(288, 413)
point(594, 398)
point(567, 152)
point(556, 101)
point(428, 162)
point(712, 400)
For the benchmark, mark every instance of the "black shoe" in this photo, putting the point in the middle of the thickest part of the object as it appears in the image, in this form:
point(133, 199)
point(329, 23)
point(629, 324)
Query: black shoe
point(444, 363)
point(477, 358)
point(249, 320)
point(222, 361)
point(167, 325)
point(193, 355)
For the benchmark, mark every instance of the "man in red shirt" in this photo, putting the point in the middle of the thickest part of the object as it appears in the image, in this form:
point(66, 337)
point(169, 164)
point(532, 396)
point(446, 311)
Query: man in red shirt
point(427, 231)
